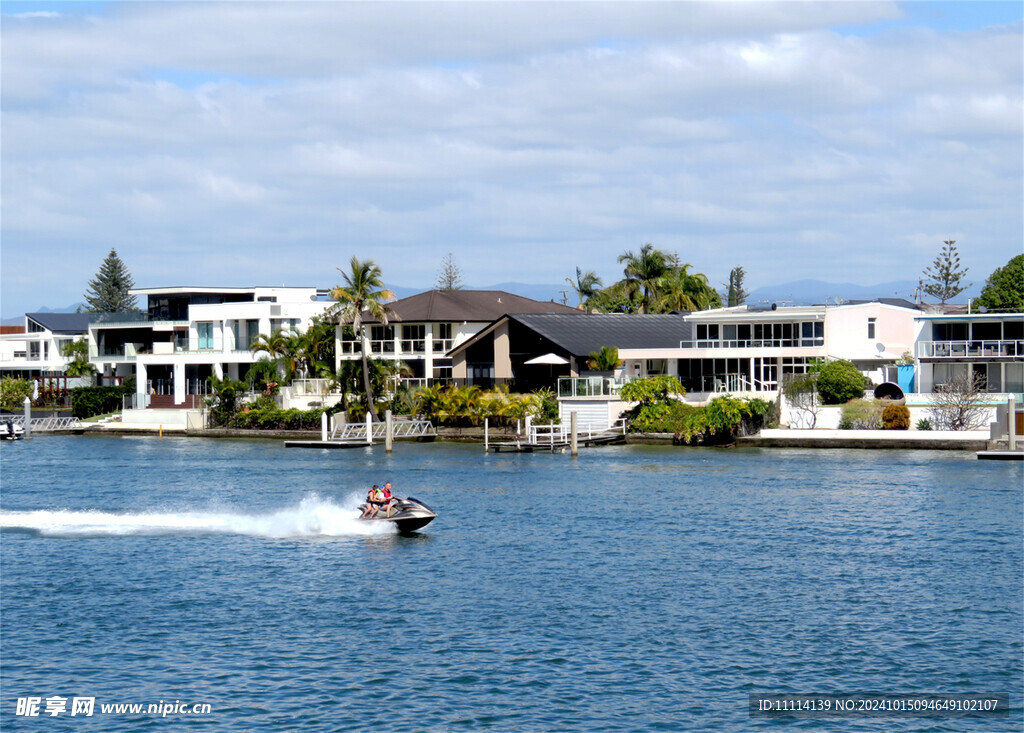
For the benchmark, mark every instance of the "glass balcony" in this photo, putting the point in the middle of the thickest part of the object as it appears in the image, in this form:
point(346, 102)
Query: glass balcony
point(964, 349)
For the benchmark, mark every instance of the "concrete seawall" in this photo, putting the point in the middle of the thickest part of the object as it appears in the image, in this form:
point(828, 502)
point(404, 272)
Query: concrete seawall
point(875, 439)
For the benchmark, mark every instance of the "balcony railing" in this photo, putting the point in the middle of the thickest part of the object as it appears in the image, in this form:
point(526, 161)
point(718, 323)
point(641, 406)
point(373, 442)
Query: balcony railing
point(443, 345)
point(752, 343)
point(386, 346)
point(964, 349)
point(351, 347)
point(414, 346)
point(591, 386)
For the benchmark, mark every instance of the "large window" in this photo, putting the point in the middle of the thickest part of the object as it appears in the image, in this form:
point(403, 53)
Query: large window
point(382, 339)
point(1014, 378)
point(205, 333)
point(413, 338)
point(443, 337)
point(812, 333)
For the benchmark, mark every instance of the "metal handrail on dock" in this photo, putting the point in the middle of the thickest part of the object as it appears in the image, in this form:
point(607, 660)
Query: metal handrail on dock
point(553, 436)
point(47, 424)
point(352, 432)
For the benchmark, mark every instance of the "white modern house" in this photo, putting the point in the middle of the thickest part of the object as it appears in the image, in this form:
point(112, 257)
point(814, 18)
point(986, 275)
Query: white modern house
point(751, 349)
point(987, 346)
point(35, 350)
point(187, 334)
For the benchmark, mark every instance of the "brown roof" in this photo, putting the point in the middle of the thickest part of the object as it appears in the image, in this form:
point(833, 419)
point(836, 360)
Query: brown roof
point(468, 305)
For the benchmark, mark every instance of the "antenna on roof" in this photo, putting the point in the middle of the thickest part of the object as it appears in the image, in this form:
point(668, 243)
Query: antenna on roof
point(565, 297)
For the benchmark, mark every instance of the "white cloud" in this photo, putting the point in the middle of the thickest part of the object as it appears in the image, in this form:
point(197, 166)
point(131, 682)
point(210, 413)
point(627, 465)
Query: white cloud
point(737, 134)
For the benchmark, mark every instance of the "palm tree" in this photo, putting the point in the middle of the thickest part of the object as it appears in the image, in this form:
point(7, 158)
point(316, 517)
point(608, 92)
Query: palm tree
point(605, 360)
point(276, 344)
point(644, 270)
point(363, 291)
point(683, 291)
point(79, 366)
point(586, 284)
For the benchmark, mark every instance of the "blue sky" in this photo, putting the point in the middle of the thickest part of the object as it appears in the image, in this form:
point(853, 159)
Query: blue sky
point(265, 143)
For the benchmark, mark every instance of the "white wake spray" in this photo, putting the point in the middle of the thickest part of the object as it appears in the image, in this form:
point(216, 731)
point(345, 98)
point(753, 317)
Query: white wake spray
point(313, 517)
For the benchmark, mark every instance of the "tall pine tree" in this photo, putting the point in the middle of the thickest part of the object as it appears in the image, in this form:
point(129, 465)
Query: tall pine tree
point(108, 291)
point(942, 280)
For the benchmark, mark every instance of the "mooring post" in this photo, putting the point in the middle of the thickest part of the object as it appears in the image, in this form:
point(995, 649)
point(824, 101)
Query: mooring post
point(1011, 432)
point(323, 426)
point(486, 435)
point(389, 432)
point(369, 428)
point(529, 424)
point(28, 418)
point(574, 447)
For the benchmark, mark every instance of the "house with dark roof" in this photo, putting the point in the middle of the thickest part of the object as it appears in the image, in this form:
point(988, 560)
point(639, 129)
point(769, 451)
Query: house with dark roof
point(528, 351)
point(36, 351)
point(423, 328)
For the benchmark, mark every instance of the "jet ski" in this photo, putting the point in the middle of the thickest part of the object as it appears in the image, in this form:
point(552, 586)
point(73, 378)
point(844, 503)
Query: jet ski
point(407, 515)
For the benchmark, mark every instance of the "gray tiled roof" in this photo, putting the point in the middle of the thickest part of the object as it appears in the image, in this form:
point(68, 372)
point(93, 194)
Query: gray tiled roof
point(580, 336)
point(468, 305)
point(61, 322)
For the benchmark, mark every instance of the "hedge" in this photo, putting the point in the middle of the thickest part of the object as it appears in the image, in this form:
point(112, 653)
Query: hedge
point(90, 401)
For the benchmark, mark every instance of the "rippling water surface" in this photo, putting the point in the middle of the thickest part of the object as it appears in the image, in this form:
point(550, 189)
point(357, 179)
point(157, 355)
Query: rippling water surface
point(633, 588)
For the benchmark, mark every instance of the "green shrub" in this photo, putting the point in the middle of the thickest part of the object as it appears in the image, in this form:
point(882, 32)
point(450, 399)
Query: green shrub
point(924, 424)
point(861, 415)
point(13, 392)
point(896, 417)
point(90, 401)
point(839, 382)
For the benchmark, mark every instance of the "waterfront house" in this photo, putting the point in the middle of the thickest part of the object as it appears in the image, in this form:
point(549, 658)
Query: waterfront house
point(423, 328)
point(187, 334)
point(986, 346)
point(34, 350)
point(753, 348)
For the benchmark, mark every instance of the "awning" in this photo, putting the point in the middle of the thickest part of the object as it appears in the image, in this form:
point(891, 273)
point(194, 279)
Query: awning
point(547, 359)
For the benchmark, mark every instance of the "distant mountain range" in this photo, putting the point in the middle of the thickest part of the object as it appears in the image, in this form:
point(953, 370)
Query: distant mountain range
point(818, 292)
point(799, 292)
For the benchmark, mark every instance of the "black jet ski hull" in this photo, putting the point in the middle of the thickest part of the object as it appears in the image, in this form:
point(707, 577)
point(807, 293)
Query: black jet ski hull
point(409, 516)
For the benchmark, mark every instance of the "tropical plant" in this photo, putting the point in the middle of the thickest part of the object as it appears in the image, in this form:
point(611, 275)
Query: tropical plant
point(1004, 288)
point(681, 291)
point(643, 271)
point(943, 278)
point(79, 366)
point(109, 291)
point(652, 389)
point(262, 373)
point(605, 360)
point(839, 381)
point(586, 285)
point(363, 292)
point(224, 398)
point(13, 391)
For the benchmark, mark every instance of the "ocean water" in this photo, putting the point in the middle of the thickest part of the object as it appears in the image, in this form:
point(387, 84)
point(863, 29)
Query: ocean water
point(632, 588)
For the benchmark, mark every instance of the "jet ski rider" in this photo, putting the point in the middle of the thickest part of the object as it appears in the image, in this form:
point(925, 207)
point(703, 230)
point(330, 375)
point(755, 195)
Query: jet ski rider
point(378, 497)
